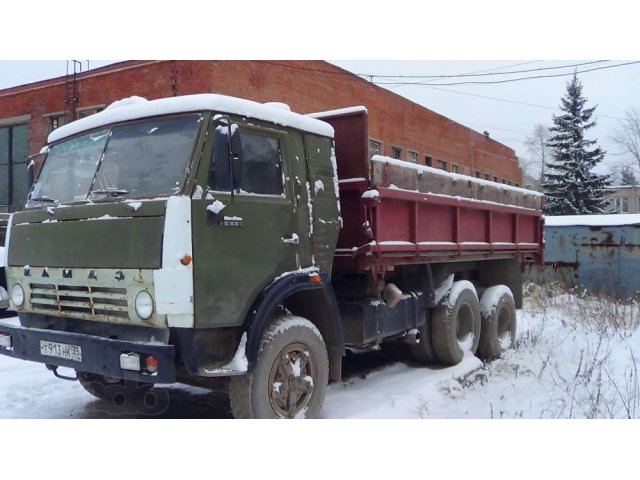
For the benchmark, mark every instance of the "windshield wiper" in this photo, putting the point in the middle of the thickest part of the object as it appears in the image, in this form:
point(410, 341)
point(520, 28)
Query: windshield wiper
point(113, 192)
point(43, 199)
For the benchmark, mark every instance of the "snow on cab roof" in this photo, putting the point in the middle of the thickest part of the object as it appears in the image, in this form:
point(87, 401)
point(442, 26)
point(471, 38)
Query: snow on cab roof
point(136, 107)
point(611, 220)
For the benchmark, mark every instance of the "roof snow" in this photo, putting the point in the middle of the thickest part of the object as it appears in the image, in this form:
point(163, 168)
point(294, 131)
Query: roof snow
point(453, 176)
point(136, 108)
point(593, 220)
point(338, 112)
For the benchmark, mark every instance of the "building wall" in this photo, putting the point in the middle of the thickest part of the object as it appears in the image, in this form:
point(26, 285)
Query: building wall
point(307, 86)
point(624, 199)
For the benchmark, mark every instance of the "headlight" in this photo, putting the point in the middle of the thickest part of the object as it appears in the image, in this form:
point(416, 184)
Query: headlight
point(17, 295)
point(144, 305)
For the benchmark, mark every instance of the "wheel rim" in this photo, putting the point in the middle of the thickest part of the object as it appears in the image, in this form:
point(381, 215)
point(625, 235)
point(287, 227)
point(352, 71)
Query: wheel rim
point(291, 380)
point(505, 327)
point(464, 328)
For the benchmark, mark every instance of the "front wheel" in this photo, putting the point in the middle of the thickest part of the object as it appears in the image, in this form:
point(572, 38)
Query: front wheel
point(290, 377)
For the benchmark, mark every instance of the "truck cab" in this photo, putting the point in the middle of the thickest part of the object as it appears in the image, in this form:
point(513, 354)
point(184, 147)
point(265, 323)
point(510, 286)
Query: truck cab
point(161, 238)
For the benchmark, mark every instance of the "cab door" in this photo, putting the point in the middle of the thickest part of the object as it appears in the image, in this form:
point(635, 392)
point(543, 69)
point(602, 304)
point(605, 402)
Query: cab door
point(242, 248)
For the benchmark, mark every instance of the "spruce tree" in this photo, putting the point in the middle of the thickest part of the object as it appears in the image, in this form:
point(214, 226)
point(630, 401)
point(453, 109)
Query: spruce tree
point(569, 185)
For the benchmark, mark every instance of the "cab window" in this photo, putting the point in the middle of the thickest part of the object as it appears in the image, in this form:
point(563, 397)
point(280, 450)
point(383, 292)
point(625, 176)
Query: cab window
point(261, 167)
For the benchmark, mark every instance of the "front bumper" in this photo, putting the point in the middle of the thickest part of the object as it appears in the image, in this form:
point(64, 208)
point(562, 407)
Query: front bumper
point(99, 355)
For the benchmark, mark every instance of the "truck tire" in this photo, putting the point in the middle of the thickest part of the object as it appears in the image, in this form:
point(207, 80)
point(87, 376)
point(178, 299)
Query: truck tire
point(290, 376)
point(423, 351)
point(456, 328)
point(115, 391)
point(498, 312)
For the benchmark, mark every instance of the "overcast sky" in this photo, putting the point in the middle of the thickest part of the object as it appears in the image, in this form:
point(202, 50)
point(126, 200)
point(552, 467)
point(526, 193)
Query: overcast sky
point(506, 118)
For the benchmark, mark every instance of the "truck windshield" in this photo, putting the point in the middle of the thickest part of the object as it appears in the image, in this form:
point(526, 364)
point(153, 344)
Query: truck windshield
point(132, 160)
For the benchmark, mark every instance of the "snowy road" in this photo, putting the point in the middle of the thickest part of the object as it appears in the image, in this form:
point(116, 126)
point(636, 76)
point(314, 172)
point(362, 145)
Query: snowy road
point(575, 358)
point(376, 385)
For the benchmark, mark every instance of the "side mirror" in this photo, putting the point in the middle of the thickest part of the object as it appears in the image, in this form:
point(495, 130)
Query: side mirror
point(226, 165)
point(31, 165)
point(31, 175)
point(236, 157)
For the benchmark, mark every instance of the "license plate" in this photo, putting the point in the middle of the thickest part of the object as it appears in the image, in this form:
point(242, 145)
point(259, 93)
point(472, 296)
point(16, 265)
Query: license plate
point(61, 350)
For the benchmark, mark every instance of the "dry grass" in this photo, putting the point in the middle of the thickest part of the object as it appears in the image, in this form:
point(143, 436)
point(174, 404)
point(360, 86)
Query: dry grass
point(600, 382)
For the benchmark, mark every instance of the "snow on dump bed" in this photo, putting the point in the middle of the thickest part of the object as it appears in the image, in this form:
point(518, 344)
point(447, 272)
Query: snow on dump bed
point(338, 112)
point(452, 176)
point(593, 220)
point(140, 108)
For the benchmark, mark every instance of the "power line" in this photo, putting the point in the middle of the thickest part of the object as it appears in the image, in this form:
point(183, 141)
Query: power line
point(505, 66)
point(492, 68)
point(512, 101)
point(479, 73)
point(491, 82)
point(463, 75)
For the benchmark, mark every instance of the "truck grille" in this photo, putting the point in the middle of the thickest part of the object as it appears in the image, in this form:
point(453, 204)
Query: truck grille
point(80, 300)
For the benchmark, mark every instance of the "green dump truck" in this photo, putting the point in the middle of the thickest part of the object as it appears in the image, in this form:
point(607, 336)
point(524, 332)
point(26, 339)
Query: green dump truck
point(192, 238)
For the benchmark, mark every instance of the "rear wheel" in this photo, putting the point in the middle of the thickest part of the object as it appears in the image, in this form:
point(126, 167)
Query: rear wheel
point(290, 377)
point(456, 328)
point(498, 311)
point(113, 390)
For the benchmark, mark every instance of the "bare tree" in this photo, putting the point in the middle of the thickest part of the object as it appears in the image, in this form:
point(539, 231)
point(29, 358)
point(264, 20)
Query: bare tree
point(627, 177)
point(536, 144)
point(627, 135)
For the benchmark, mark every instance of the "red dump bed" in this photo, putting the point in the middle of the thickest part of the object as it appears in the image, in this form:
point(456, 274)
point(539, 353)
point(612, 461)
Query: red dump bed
point(397, 212)
point(401, 227)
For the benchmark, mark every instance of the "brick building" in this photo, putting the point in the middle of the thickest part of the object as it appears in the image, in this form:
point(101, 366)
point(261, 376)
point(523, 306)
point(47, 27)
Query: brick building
point(398, 127)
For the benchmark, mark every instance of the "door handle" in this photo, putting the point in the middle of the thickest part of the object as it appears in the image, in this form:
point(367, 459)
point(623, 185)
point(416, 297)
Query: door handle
point(293, 239)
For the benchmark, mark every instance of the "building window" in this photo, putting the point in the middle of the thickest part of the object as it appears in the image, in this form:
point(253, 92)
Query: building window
point(374, 148)
point(478, 174)
point(495, 179)
point(619, 205)
point(487, 176)
point(412, 157)
point(14, 177)
point(442, 165)
point(86, 111)
point(455, 168)
point(56, 121)
point(428, 161)
point(518, 185)
point(396, 152)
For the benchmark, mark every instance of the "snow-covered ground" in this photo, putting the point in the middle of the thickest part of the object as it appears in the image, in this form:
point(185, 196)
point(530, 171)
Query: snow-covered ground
point(575, 358)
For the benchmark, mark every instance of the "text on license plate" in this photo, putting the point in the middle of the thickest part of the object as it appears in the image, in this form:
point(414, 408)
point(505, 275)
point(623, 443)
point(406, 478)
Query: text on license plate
point(61, 350)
